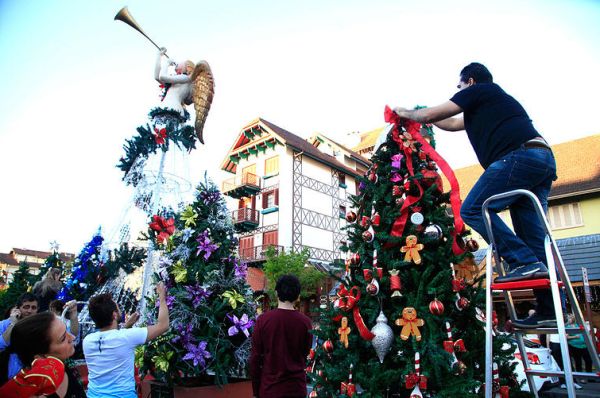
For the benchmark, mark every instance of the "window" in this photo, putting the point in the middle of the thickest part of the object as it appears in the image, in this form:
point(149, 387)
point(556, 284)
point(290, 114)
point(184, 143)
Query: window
point(342, 211)
point(565, 216)
point(270, 199)
point(342, 179)
point(272, 166)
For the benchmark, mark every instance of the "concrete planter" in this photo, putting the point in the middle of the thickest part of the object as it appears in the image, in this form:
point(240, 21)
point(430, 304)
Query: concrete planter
point(239, 388)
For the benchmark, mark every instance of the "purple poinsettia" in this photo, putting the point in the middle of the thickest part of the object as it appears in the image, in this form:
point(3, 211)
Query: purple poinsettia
point(240, 269)
point(395, 177)
point(184, 334)
point(209, 197)
point(197, 354)
point(205, 245)
point(197, 293)
point(396, 159)
point(240, 325)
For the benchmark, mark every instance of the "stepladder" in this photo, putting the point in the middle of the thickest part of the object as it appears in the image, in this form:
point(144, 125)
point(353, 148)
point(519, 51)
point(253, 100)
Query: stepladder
point(562, 294)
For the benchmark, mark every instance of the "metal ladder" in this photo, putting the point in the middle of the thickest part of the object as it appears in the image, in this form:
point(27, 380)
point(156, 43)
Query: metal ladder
point(554, 263)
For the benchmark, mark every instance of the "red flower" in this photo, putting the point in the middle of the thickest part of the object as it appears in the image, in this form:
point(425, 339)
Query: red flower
point(160, 135)
point(164, 227)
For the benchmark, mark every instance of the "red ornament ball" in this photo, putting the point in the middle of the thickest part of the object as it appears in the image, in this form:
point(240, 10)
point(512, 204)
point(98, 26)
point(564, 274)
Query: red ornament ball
point(368, 236)
point(462, 303)
point(313, 394)
point(436, 307)
point(373, 288)
point(328, 346)
point(472, 245)
point(373, 177)
point(351, 216)
point(355, 259)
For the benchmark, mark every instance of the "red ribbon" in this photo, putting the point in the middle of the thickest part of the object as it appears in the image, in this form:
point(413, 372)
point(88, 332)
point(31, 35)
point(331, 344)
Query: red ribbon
point(454, 346)
point(348, 389)
point(412, 379)
point(164, 227)
point(413, 128)
point(349, 300)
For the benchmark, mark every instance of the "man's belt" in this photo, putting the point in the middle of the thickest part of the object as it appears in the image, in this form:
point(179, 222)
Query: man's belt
point(536, 144)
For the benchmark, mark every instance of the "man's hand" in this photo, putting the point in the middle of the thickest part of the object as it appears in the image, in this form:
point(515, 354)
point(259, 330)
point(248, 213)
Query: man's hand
point(72, 308)
point(161, 290)
point(401, 111)
point(15, 314)
point(131, 319)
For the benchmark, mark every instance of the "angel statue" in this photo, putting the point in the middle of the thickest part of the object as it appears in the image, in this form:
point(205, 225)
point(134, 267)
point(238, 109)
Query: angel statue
point(188, 83)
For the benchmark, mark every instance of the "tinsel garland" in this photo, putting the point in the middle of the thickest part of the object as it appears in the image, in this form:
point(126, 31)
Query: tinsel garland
point(142, 145)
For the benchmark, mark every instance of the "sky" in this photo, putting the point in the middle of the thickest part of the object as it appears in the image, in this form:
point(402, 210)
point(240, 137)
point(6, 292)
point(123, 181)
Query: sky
point(77, 83)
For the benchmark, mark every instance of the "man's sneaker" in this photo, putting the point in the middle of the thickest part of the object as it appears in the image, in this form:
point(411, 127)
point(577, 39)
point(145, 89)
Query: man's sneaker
point(577, 386)
point(524, 272)
point(536, 321)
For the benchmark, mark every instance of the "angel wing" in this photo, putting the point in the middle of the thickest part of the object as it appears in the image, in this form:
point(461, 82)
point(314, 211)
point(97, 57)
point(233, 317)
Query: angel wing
point(203, 90)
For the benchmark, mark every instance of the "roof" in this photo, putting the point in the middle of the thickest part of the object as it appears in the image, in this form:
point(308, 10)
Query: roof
point(348, 152)
point(256, 279)
point(367, 140)
point(42, 254)
point(577, 252)
point(576, 163)
point(7, 258)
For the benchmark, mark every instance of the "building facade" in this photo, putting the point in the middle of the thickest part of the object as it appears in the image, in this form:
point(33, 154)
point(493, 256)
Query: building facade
point(290, 193)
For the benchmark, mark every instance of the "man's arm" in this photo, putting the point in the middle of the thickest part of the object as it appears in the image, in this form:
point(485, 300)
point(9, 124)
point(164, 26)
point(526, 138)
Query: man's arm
point(162, 324)
point(14, 317)
point(74, 322)
point(451, 124)
point(430, 115)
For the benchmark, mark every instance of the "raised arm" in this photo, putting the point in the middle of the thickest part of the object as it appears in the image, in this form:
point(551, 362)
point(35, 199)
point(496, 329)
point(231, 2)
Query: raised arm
point(162, 324)
point(74, 322)
point(158, 64)
point(430, 115)
point(451, 124)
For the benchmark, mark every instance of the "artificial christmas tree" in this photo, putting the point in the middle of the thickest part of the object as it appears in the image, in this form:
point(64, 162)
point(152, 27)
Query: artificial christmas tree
point(210, 304)
point(398, 292)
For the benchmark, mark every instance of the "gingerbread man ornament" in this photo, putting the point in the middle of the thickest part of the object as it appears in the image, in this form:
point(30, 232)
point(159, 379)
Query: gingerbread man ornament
point(412, 249)
point(410, 324)
point(344, 330)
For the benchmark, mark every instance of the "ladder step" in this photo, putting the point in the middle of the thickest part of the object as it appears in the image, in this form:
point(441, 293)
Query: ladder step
point(560, 373)
point(548, 331)
point(528, 284)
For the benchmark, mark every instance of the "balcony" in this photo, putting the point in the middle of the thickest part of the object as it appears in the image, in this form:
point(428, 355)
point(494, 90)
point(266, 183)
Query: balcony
point(237, 188)
point(258, 253)
point(245, 220)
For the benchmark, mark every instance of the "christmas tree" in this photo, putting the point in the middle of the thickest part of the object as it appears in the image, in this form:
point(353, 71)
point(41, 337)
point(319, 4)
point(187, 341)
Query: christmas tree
point(210, 305)
point(82, 282)
point(22, 281)
point(405, 322)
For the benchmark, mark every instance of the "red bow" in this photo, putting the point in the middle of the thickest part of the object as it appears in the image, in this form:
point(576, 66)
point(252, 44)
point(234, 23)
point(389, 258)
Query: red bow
point(160, 135)
point(348, 389)
point(413, 128)
point(164, 227)
point(412, 379)
point(348, 301)
point(454, 346)
point(503, 391)
point(458, 284)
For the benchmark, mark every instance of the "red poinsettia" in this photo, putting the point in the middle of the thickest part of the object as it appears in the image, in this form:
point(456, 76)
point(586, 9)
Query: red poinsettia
point(160, 135)
point(164, 227)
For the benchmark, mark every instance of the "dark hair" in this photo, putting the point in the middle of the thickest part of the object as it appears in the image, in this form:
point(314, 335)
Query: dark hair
point(57, 305)
point(48, 286)
point(477, 72)
point(288, 288)
point(28, 338)
point(101, 308)
point(26, 297)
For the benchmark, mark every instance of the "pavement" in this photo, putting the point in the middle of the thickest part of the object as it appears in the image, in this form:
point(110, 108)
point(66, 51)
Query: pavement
point(589, 390)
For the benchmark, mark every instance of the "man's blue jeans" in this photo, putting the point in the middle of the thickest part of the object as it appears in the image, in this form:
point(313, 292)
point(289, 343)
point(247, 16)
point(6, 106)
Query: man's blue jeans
point(533, 169)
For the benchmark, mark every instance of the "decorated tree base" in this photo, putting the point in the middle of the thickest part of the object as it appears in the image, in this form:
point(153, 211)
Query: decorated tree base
point(236, 388)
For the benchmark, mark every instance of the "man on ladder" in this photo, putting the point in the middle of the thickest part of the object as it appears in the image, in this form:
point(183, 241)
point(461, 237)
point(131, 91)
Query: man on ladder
point(514, 156)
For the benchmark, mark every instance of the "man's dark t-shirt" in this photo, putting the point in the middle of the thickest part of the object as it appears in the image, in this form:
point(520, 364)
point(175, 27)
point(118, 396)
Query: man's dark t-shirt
point(281, 340)
point(495, 122)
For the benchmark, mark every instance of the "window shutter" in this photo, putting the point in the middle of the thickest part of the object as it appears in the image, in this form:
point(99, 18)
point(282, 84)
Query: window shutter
point(264, 200)
point(277, 197)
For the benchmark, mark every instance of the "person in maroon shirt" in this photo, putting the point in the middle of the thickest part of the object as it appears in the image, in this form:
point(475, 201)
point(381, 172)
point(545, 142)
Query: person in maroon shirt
point(281, 341)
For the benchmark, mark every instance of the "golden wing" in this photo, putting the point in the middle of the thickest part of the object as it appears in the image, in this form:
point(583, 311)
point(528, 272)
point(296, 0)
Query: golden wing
point(203, 90)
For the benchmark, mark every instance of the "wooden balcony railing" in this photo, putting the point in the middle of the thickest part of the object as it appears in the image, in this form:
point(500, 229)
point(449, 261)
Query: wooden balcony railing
point(247, 185)
point(245, 219)
point(257, 253)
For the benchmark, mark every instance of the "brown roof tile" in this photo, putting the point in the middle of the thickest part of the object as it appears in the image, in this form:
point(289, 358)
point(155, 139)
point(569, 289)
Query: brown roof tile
point(42, 254)
point(7, 258)
point(302, 145)
point(577, 164)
